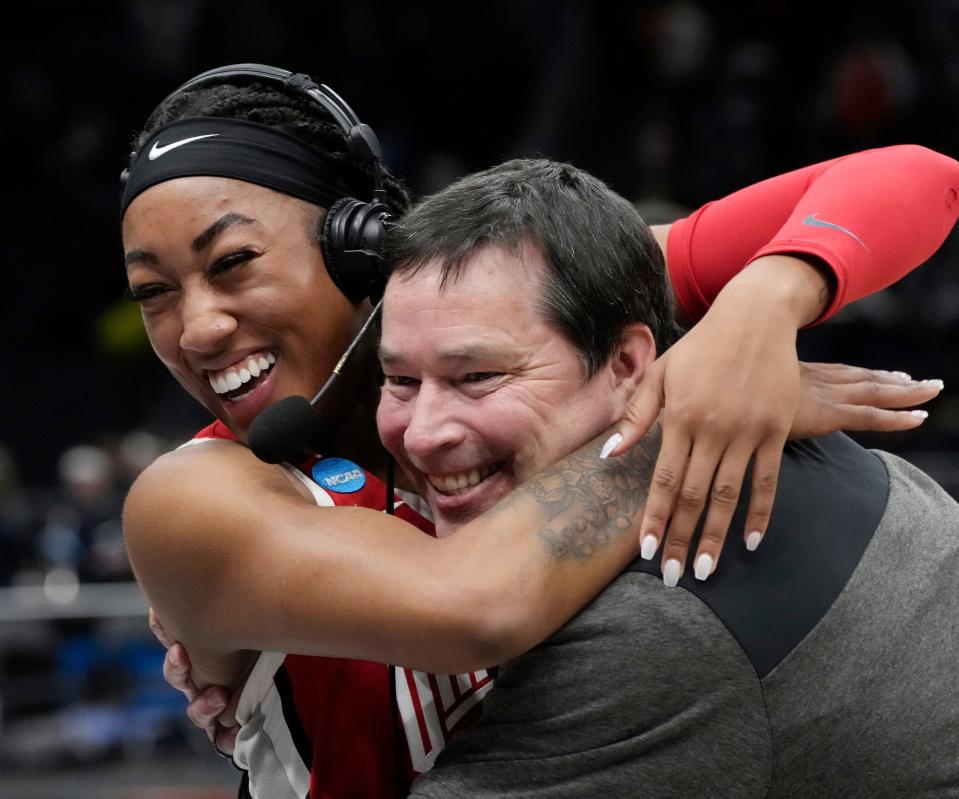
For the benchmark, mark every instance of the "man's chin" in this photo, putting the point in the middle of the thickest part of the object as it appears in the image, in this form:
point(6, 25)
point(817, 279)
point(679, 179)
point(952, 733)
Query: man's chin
point(449, 522)
point(452, 511)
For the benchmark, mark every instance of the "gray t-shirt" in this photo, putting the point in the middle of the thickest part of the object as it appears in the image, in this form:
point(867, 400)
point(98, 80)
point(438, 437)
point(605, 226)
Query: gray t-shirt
point(826, 664)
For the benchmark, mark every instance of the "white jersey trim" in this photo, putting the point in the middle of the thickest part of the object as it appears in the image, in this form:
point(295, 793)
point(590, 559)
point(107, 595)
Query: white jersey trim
point(321, 497)
point(258, 684)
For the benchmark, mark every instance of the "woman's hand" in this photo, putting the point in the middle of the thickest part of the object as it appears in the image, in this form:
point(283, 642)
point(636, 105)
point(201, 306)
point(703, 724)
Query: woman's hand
point(730, 388)
point(205, 706)
point(731, 392)
point(834, 396)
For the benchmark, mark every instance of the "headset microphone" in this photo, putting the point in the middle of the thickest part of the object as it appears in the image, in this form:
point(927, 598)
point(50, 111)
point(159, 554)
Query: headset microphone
point(281, 431)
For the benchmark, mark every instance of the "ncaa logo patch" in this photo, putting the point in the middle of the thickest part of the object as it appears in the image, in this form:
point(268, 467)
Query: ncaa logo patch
point(339, 475)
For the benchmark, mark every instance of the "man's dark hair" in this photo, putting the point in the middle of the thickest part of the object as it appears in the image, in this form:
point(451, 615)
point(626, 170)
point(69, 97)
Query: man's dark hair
point(604, 269)
point(268, 105)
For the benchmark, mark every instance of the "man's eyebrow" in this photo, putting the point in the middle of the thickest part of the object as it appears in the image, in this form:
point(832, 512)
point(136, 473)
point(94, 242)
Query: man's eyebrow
point(139, 257)
point(202, 241)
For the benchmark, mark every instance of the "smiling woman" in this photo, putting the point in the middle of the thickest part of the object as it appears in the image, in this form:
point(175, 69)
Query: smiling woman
point(244, 306)
point(242, 281)
point(239, 247)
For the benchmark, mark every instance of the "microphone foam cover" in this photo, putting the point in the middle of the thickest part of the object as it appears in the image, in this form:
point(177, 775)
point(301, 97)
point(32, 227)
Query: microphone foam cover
point(279, 432)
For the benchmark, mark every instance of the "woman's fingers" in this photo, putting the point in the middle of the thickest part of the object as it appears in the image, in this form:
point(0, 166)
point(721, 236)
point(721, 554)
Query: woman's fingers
point(667, 479)
point(882, 395)
point(176, 671)
point(690, 501)
point(763, 491)
point(205, 709)
point(851, 398)
point(723, 499)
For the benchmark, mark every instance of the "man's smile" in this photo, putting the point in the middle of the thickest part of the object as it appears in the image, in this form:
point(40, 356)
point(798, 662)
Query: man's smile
point(457, 482)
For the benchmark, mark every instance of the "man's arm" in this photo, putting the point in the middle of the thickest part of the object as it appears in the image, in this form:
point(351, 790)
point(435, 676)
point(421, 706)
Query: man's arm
point(233, 558)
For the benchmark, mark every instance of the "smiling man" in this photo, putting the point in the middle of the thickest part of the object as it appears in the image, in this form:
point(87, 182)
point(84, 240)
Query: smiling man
point(472, 408)
point(526, 303)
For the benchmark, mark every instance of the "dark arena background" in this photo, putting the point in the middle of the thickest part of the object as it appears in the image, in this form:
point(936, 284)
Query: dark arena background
point(671, 103)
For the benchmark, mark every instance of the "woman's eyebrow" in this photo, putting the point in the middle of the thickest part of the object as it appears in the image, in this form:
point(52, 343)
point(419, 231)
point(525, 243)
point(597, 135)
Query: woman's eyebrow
point(202, 241)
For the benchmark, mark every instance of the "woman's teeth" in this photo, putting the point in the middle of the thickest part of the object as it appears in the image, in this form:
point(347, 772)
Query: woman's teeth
point(455, 483)
point(234, 377)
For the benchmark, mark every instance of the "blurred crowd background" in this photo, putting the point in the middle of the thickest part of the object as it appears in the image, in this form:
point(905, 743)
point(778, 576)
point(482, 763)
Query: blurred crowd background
point(672, 103)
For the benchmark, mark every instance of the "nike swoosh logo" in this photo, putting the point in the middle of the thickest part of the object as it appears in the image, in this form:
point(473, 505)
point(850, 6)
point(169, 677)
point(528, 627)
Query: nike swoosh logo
point(813, 222)
point(159, 149)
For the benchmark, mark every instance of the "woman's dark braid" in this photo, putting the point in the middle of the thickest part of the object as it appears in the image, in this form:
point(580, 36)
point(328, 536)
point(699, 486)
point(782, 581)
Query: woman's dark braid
point(302, 118)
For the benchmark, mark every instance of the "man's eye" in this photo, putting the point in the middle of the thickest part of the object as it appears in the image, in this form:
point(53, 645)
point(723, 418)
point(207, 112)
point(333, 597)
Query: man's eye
point(400, 380)
point(145, 292)
point(479, 377)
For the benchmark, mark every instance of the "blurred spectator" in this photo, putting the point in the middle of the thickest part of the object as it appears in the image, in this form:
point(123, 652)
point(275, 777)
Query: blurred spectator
point(82, 532)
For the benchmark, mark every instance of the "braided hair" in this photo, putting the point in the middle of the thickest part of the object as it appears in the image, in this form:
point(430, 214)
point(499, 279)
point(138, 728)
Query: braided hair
point(297, 116)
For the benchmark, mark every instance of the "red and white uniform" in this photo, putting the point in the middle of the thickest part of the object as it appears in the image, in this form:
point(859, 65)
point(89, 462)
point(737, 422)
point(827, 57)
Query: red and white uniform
point(330, 728)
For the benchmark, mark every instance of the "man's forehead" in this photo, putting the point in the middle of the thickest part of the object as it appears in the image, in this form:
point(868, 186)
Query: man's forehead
point(452, 355)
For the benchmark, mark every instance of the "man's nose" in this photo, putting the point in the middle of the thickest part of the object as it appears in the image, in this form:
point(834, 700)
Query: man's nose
point(434, 424)
point(206, 323)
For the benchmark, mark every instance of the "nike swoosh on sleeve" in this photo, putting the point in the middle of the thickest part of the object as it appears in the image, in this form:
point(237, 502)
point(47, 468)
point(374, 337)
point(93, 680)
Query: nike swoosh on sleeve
point(812, 221)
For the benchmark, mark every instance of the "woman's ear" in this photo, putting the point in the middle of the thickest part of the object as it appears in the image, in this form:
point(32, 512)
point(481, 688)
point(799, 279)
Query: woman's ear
point(631, 359)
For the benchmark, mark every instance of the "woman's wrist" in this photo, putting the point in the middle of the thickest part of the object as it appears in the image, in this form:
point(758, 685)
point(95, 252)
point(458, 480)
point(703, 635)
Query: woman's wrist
point(798, 287)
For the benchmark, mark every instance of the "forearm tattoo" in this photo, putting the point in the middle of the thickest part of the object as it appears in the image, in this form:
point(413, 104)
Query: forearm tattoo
point(589, 501)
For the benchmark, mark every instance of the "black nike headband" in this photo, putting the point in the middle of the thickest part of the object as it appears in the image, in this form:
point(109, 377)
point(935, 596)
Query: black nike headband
point(232, 148)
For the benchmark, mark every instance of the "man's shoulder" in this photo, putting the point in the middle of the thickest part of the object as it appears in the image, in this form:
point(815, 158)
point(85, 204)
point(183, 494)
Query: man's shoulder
point(645, 686)
point(831, 498)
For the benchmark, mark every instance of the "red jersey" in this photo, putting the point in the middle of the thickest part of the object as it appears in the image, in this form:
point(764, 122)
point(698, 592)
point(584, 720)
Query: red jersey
point(330, 728)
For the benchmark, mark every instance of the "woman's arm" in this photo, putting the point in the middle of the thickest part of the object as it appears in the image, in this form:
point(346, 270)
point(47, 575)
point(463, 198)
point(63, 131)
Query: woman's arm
point(865, 220)
point(766, 261)
point(234, 558)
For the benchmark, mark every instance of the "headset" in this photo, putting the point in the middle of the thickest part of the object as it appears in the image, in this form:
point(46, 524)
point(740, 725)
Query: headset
point(353, 230)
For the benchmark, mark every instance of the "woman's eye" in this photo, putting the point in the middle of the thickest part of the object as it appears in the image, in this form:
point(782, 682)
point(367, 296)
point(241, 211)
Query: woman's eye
point(233, 259)
point(145, 292)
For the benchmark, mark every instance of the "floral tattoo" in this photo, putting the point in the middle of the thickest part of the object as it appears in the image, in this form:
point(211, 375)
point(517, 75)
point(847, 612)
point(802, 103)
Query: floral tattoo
point(589, 501)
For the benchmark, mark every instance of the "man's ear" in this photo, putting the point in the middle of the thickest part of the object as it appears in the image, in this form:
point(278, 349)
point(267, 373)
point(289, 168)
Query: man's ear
point(631, 359)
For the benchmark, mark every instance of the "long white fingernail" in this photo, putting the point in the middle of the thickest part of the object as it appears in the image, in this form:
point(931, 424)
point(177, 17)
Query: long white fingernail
point(934, 384)
point(920, 414)
point(703, 566)
point(650, 545)
point(671, 573)
point(611, 443)
point(753, 539)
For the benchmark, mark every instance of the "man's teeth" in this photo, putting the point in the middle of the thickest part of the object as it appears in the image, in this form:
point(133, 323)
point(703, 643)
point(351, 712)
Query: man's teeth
point(454, 483)
point(234, 377)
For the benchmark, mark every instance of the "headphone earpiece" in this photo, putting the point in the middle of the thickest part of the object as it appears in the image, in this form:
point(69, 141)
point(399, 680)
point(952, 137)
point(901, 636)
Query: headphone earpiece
point(353, 230)
point(352, 239)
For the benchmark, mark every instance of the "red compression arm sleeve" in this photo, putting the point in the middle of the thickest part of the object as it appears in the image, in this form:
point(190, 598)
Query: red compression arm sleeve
point(871, 217)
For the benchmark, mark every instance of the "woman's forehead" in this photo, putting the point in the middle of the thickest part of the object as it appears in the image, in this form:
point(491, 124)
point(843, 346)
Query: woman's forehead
point(188, 204)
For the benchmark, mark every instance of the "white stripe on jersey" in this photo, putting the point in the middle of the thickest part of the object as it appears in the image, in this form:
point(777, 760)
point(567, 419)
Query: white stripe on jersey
point(264, 745)
point(470, 700)
point(441, 701)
